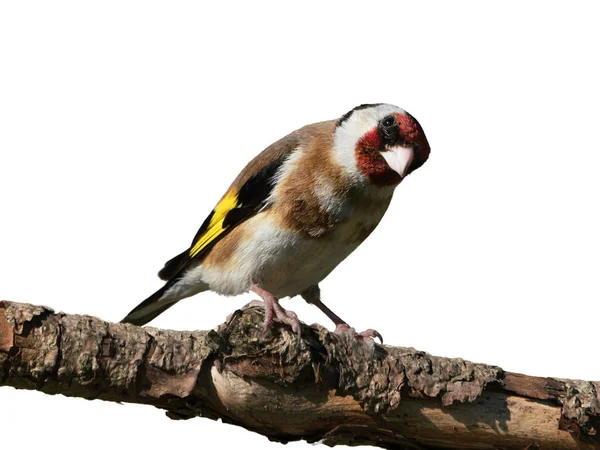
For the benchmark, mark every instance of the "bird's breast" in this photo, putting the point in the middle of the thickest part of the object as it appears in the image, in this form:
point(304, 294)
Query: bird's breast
point(283, 259)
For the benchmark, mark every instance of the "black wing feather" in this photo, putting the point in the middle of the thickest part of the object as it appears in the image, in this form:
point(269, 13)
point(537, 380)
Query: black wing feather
point(252, 197)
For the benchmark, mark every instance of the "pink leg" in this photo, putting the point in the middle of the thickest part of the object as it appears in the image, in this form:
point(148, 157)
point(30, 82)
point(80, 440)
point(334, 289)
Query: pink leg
point(341, 327)
point(272, 306)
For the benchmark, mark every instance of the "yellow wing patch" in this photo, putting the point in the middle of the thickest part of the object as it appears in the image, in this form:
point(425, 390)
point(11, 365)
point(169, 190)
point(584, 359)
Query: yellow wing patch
point(215, 227)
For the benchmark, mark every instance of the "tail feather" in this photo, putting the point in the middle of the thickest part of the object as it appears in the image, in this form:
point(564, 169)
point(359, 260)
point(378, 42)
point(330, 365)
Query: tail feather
point(150, 308)
point(173, 266)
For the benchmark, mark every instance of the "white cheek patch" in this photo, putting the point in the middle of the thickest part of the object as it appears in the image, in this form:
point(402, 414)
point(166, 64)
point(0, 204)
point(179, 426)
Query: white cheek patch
point(399, 158)
point(348, 134)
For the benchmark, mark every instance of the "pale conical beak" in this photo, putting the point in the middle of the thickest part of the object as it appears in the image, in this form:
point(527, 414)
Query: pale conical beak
point(399, 158)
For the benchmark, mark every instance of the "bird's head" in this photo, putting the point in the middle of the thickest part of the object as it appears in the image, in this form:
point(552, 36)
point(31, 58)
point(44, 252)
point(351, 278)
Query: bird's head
point(380, 143)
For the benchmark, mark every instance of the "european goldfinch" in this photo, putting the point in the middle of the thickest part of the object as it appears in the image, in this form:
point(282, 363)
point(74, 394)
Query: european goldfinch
point(295, 212)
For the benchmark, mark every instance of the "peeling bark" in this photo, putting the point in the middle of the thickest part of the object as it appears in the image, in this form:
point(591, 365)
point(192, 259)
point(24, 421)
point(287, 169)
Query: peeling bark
point(325, 387)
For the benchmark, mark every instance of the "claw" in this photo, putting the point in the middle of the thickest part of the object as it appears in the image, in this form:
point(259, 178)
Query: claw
point(365, 336)
point(313, 296)
point(371, 333)
point(272, 307)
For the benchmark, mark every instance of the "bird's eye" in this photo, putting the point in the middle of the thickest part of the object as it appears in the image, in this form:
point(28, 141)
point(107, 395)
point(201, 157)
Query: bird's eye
point(389, 121)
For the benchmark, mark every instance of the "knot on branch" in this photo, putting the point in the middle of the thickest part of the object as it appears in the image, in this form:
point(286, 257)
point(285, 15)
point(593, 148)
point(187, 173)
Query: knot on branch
point(376, 376)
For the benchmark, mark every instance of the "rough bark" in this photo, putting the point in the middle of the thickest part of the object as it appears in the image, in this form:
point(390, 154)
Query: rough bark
point(325, 387)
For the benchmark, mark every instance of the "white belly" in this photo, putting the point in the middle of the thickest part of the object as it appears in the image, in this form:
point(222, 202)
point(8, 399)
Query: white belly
point(280, 261)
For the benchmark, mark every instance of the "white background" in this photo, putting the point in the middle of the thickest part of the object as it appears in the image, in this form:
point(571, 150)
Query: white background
point(122, 123)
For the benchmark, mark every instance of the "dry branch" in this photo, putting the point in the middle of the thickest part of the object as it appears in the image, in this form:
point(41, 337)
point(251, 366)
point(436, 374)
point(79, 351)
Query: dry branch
point(323, 388)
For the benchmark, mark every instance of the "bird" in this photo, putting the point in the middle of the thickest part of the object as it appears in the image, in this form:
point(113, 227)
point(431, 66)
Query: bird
point(296, 211)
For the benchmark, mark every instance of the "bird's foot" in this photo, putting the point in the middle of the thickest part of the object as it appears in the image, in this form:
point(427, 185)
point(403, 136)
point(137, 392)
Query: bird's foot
point(365, 336)
point(272, 307)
